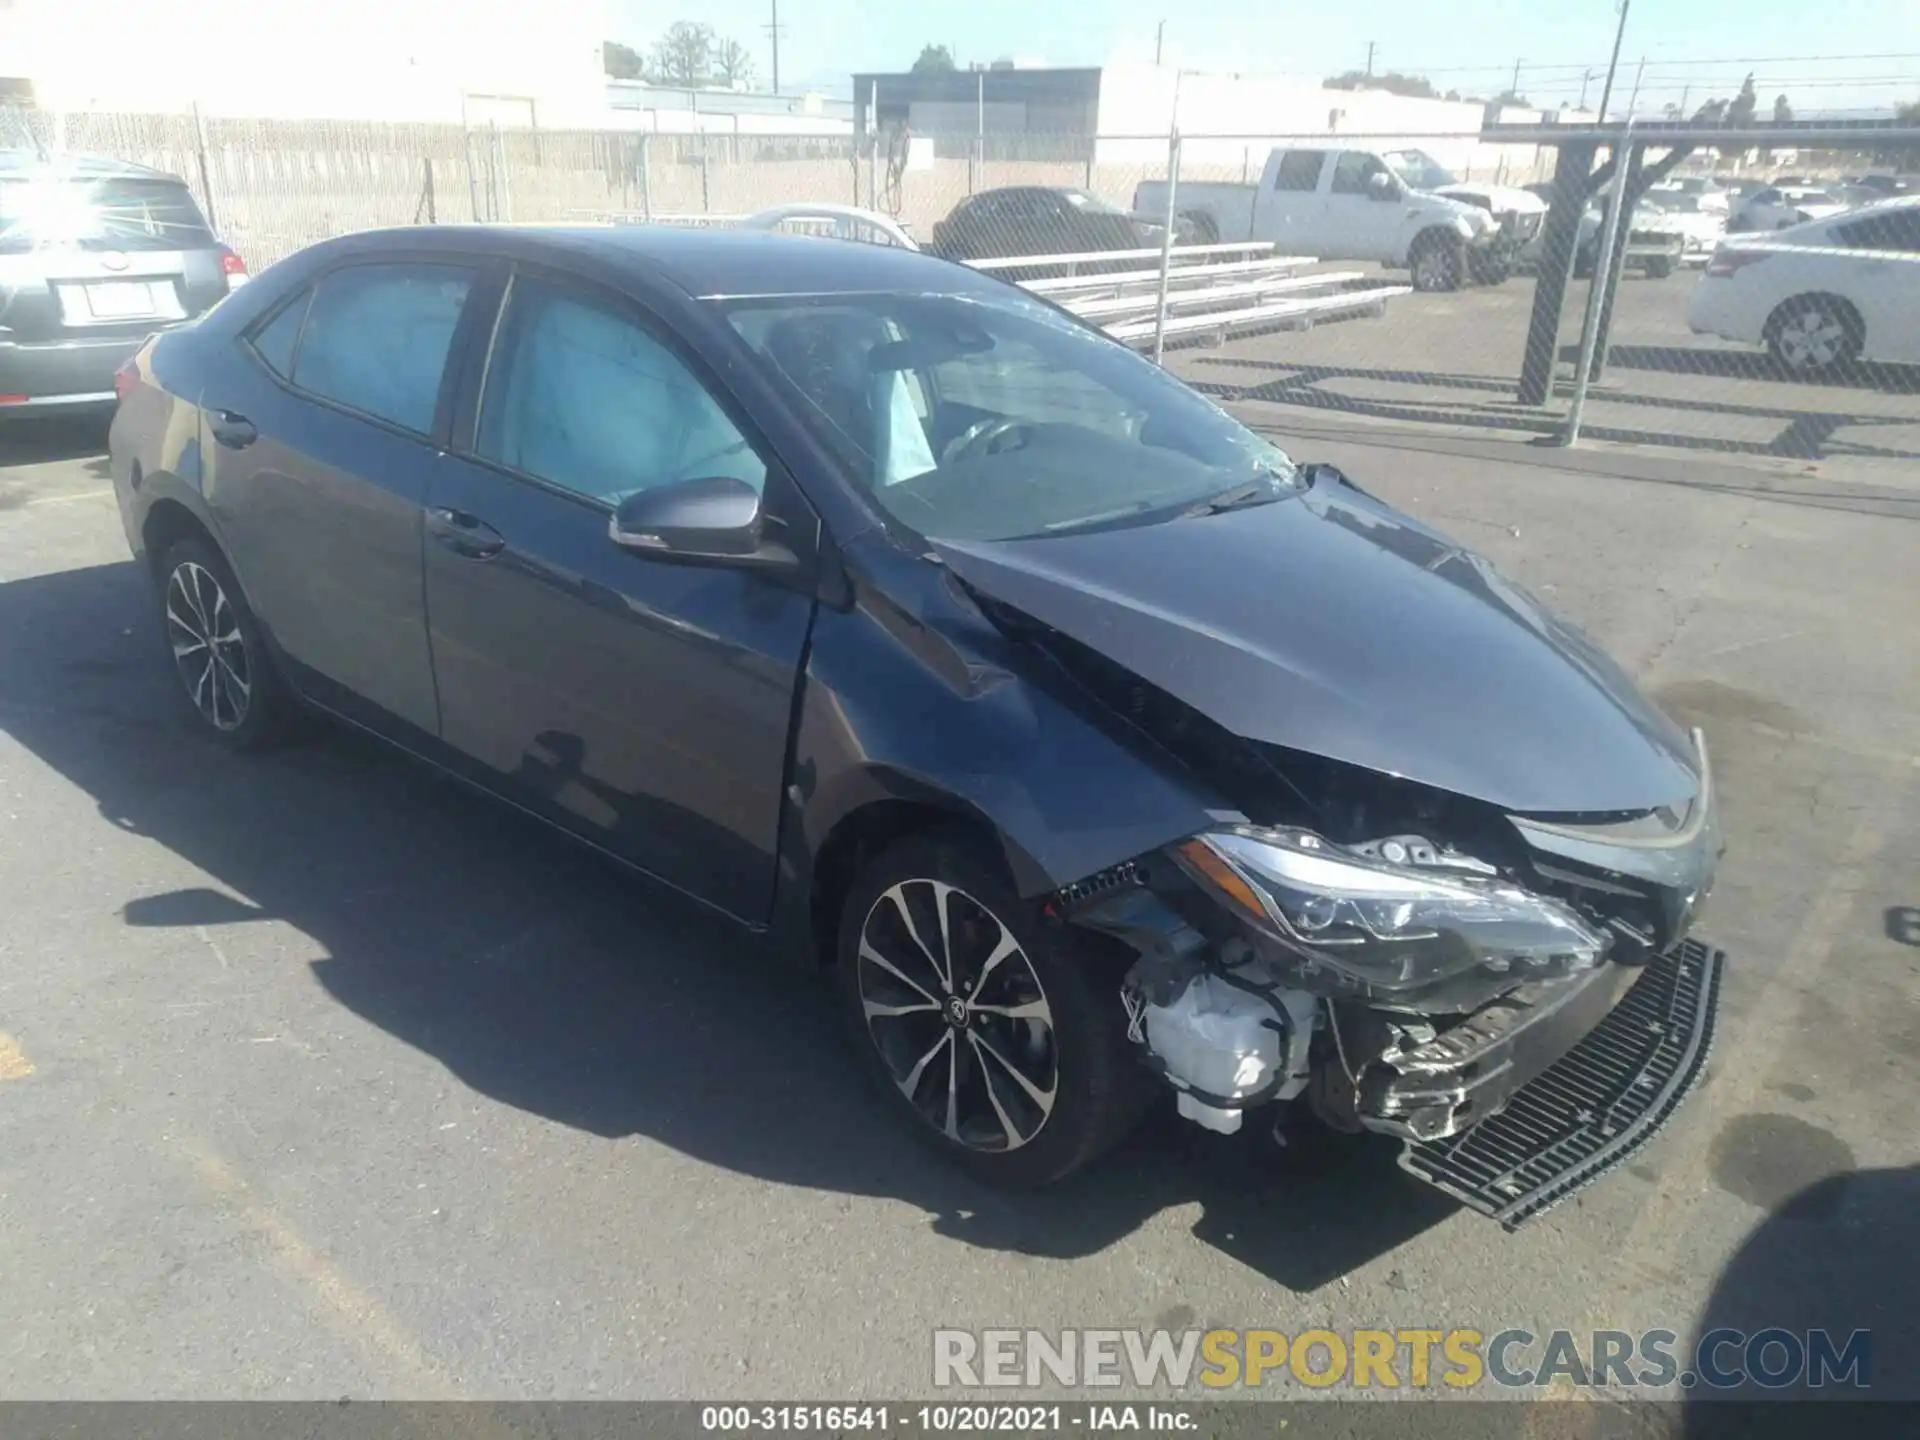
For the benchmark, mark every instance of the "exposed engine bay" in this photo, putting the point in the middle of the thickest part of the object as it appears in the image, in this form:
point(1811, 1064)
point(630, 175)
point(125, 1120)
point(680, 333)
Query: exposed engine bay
point(1388, 957)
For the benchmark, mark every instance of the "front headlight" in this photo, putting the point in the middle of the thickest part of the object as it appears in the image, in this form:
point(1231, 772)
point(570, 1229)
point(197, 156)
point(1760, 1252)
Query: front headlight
point(1387, 928)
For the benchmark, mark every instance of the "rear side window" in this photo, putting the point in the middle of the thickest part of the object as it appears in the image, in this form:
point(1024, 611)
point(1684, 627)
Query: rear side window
point(68, 212)
point(1299, 170)
point(377, 337)
point(1889, 230)
point(274, 341)
point(585, 399)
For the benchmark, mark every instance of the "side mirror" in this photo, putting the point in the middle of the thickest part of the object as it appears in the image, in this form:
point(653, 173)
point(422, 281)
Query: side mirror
point(1380, 186)
point(714, 519)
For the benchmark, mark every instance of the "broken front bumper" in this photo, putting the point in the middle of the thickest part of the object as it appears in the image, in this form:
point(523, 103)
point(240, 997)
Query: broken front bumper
point(1565, 1121)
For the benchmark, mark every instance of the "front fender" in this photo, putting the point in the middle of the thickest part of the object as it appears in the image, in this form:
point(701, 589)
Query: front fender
point(911, 694)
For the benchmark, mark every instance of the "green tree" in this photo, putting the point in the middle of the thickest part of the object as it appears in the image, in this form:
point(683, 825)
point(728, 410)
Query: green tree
point(684, 55)
point(1511, 97)
point(622, 62)
point(934, 60)
point(1712, 113)
point(1782, 111)
point(1393, 82)
point(1740, 109)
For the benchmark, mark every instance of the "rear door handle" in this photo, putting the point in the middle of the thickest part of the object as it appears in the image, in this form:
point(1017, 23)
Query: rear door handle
point(464, 534)
point(234, 431)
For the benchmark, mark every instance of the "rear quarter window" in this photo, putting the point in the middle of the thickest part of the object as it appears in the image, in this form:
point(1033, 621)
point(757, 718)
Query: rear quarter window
point(274, 341)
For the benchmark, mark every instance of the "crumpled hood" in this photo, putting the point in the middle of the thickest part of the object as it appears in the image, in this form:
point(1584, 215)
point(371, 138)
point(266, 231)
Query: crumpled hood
point(1501, 198)
point(1330, 623)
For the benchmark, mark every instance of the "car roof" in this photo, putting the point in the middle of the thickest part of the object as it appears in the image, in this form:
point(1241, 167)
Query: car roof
point(31, 164)
point(708, 263)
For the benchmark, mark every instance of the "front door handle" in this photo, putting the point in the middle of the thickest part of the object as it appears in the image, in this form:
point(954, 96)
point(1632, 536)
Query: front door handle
point(464, 534)
point(234, 431)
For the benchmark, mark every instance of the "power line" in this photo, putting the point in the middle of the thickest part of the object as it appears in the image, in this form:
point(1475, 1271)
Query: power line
point(1579, 65)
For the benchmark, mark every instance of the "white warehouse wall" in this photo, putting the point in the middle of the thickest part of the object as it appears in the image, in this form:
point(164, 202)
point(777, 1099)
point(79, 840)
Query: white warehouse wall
point(1256, 112)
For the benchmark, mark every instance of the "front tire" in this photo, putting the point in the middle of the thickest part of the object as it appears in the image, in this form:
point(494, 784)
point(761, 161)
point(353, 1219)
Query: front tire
point(1813, 335)
point(1436, 262)
point(1491, 269)
point(1659, 268)
point(991, 1035)
point(216, 650)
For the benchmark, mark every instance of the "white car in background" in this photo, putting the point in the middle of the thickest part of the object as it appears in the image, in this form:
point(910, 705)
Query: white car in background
point(1779, 206)
point(1702, 225)
point(1823, 295)
point(1708, 194)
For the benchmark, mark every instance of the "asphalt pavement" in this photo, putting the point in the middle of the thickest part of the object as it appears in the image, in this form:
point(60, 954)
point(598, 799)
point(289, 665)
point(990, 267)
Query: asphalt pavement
point(320, 1076)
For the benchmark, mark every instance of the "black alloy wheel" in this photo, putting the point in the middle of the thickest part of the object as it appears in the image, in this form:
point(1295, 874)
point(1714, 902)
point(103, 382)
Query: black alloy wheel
point(999, 1044)
point(216, 649)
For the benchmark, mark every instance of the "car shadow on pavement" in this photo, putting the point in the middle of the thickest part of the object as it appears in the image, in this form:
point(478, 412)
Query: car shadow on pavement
point(1436, 398)
point(1751, 365)
point(36, 439)
point(1836, 1256)
point(547, 980)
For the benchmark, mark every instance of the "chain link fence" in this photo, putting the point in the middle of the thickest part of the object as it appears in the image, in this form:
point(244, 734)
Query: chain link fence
point(1408, 279)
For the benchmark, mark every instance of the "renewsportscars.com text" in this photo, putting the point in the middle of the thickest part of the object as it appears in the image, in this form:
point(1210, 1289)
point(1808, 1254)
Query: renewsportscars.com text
point(1364, 1359)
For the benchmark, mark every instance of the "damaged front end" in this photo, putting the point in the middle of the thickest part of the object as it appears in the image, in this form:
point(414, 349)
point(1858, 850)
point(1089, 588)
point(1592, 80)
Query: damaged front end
point(1522, 1013)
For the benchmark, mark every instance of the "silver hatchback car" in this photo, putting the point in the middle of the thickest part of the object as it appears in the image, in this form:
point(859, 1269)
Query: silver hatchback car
point(95, 256)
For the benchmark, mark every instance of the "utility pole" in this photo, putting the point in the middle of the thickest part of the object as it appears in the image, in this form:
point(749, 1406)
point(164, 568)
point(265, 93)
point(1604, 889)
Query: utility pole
point(773, 33)
point(1619, 34)
point(1514, 89)
point(1370, 59)
point(1633, 100)
point(1159, 40)
point(1585, 76)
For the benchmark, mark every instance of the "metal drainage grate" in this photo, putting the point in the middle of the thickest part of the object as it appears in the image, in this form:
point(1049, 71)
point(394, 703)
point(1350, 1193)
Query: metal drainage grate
point(1595, 1106)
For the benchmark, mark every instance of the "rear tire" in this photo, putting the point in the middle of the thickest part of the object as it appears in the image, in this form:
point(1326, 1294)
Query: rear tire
point(1007, 1053)
point(1814, 335)
point(1205, 231)
point(1436, 261)
point(216, 650)
point(1659, 268)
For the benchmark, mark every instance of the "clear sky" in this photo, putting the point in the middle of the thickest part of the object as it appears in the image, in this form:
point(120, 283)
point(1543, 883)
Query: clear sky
point(1470, 45)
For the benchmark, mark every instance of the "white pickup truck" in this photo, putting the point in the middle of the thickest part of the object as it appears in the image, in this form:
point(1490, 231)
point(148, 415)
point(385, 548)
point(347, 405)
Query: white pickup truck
point(1396, 207)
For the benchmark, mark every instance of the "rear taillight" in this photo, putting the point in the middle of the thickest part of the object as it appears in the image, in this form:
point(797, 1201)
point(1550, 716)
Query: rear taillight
point(234, 268)
point(1732, 262)
point(126, 379)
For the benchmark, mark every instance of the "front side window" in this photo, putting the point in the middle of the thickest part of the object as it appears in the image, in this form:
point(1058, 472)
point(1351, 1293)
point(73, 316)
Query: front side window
point(1299, 170)
point(1418, 170)
point(377, 336)
point(586, 399)
point(997, 419)
point(1352, 171)
point(1886, 230)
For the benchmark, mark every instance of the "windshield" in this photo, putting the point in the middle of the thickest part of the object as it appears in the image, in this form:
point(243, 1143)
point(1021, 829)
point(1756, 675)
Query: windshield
point(1418, 170)
point(60, 210)
point(1678, 202)
point(1081, 200)
point(1811, 197)
point(1001, 419)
